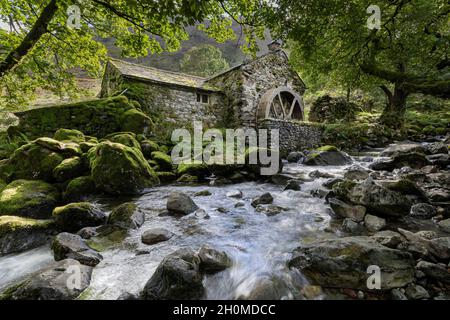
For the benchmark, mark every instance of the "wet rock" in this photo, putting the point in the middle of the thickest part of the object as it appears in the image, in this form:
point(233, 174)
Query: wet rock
point(293, 185)
point(440, 160)
point(180, 203)
point(268, 287)
point(388, 238)
point(127, 216)
point(295, 156)
point(348, 225)
point(203, 193)
point(423, 211)
point(436, 148)
point(177, 277)
point(345, 210)
point(398, 294)
point(376, 198)
point(156, 235)
point(77, 215)
point(67, 245)
point(434, 271)
point(440, 248)
point(429, 169)
point(187, 179)
point(126, 296)
point(235, 194)
point(444, 225)
point(416, 292)
point(269, 210)
point(427, 234)
point(119, 169)
point(319, 174)
point(265, 198)
point(402, 149)
point(331, 182)
point(320, 193)
point(342, 263)
point(19, 234)
point(327, 158)
point(239, 204)
point(28, 198)
point(212, 260)
point(52, 283)
point(222, 210)
point(281, 178)
point(413, 160)
point(374, 223)
point(88, 232)
point(356, 172)
point(415, 244)
point(108, 236)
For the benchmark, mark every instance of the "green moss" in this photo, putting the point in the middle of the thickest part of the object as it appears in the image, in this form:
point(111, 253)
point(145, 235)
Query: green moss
point(165, 176)
point(109, 237)
point(199, 170)
point(327, 148)
point(79, 188)
point(10, 224)
point(2, 184)
point(147, 147)
point(122, 212)
point(135, 121)
point(27, 198)
point(125, 138)
point(187, 178)
point(162, 160)
point(69, 169)
point(69, 135)
point(8, 293)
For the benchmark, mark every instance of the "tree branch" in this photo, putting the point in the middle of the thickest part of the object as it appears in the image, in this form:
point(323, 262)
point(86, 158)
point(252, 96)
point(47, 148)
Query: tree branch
point(39, 28)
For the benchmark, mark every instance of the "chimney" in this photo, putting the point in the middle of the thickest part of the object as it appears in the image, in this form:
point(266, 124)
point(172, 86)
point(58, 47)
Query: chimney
point(274, 45)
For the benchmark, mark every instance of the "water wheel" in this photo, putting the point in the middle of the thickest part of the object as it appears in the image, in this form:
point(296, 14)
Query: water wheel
point(280, 103)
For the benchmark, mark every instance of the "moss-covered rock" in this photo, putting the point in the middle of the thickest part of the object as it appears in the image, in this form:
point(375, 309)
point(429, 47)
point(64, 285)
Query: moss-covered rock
point(28, 198)
point(6, 170)
point(77, 215)
point(68, 169)
point(135, 121)
point(194, 169)
point(163, 160)
point(18, 234)
point(118, 169)
point(187, 178)
point(68, 149)
point(79, 188)
point(147, 147)
point(165, 176)
point(125, 138)
point(108, 236)
point(327, 148)
point(69, 135)
point(86, 146)
point(127, 216)
point(2, 184)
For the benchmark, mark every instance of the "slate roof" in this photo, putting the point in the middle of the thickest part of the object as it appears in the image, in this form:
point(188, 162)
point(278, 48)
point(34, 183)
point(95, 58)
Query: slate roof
point(146, 73)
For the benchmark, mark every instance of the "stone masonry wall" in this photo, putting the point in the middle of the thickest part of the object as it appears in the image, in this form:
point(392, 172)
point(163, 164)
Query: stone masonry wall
point(294, 136)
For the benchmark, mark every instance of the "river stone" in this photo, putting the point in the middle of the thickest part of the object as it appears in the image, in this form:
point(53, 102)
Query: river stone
point(416, 292)
point(156, 235)
point(374, 223)
point(295, 156)
point(52, 283)
point(203, 193)
point(437, 147)
point(434, 271)
point(19, 234)
point(388, 238)
point(423, 211)
point(402, 149)
point(28, 198)
point(320, 174)
point(235, 194)
point(376, 198)
point(413, 160)
point(356, 172)
point(67, 245)
point(212, 260)
point(345, 210)
point(88, 232)
point(268, 287)
point(427, 234)
point(127, 216)
point(77, 215)
point(117, 169)
point(265, 198)
point(281, 178)
point(342, 263)
point(327, 158)
point(349, 225)
point(293, 185)
point(398, 294)
point(444, 225)
point(177, 277)
point(180, 203)
point(269, 210)
point(440, 248)
point(331, 182)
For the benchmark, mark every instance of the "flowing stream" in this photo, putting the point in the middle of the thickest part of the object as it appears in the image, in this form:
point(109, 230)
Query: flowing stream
point(259, 245)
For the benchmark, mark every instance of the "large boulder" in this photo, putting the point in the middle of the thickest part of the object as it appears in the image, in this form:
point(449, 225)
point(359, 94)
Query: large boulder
point(127, 216)
point(19, 234)
point(67, 245)
point(163, 160)
point(343, 263)
point(135, 121)
point(434, 271)
point(77, 215)
point(212, 260)
point(404, 148)
point(28, 198)
point(327, 156)
point(344, 210)
point(126, 138)
point(72, 135)
point(68, 169)
point(118, 169)
point(177, 277)
point(376, 198)
point(79, 189)
point(180, 203)
point(65, 280)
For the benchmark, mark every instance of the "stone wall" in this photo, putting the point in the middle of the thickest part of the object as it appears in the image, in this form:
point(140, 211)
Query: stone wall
point(96, 118)
point(294, 136)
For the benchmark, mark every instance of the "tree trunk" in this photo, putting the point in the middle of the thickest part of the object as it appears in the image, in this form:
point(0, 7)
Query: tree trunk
point(394, 113)
point(39, 28)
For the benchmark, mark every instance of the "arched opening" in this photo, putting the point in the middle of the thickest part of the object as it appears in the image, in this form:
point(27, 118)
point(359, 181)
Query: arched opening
point(280, 103)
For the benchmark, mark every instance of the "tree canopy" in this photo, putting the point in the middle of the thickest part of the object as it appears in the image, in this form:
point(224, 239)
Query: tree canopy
point(205, 60)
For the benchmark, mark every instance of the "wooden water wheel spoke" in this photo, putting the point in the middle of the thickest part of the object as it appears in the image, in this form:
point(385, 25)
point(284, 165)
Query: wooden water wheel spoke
point(280, 103)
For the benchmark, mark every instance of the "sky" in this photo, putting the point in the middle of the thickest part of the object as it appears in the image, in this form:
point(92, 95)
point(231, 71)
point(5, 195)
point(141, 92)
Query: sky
point(4, 25)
